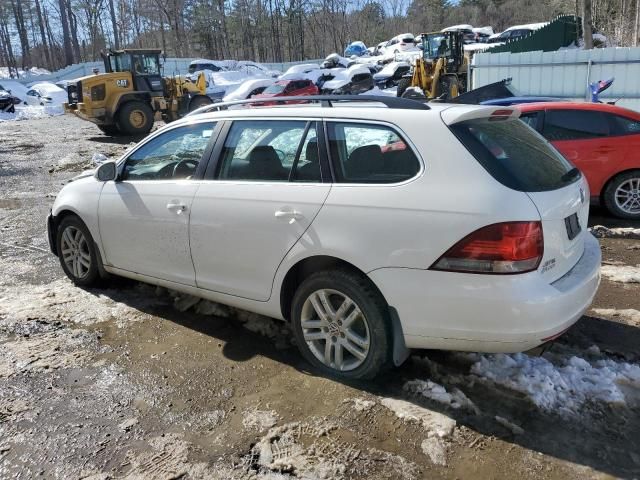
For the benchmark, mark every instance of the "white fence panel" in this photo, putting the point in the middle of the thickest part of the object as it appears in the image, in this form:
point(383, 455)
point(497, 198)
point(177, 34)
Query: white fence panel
point(565, 73)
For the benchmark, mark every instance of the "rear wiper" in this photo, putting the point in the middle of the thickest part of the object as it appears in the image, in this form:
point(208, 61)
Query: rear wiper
point(571, 174)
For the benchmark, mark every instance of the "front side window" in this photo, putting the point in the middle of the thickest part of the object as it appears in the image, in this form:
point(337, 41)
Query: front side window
point(271, 150)
point(574, 125)
point(364, 153)
point(171, 156)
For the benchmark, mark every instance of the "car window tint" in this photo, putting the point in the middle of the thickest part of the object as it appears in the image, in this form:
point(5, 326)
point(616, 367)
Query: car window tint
point(514, 155)
point(174, 154)
point(574, 125)
point(624, 125)
point(370, 154)
point(261, 150)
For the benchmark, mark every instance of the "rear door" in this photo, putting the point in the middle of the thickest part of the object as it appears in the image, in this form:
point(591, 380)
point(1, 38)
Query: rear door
point(264, 194)
point(583, 137)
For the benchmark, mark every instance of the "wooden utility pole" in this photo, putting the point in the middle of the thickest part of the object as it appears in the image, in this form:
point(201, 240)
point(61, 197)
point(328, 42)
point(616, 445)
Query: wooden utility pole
point(587, 26)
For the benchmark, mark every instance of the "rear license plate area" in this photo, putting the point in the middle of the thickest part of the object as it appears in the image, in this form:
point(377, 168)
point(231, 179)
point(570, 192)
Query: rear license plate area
point(573, 226)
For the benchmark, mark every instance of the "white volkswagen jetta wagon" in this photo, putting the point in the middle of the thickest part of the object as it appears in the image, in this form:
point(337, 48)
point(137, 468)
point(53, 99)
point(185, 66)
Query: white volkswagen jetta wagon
point(373, 227)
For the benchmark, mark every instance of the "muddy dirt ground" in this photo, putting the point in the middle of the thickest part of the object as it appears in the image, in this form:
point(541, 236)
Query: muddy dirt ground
point(134, 381)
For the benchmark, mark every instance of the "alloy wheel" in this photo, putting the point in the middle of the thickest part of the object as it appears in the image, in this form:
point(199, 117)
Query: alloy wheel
point(335, 330)
point(75, 252)
point(627, 196)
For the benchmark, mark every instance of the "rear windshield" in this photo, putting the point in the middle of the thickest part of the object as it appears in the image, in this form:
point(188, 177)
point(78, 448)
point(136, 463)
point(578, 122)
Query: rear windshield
point(515, 155)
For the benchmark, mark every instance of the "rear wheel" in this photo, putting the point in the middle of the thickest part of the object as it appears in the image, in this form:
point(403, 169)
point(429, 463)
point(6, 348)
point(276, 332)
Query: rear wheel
point(341, 325)
point(199, 101)
point(109, 129)
point(622, 195)
point(135, 118)
point(77, 252)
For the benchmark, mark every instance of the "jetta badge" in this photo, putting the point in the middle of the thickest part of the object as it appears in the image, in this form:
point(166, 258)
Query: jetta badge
point(581, 195)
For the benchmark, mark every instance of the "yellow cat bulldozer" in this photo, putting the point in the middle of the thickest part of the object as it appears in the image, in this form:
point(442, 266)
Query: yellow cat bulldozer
point(441, 72)
point(132, 93)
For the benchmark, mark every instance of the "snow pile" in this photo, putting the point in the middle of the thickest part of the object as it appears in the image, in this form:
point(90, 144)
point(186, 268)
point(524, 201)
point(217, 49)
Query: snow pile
point(564, 387)
point(32, 112)
point(387, 92)
point(29, 72)
point(433, 422)
point(261, 420)
point(629, 315)
point(600, 231)
point(621, 273)
point(436, 392)
point(435, 448)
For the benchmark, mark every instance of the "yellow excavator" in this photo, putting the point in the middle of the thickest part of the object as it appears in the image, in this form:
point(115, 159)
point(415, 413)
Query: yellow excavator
point(132, 93)
point(441, 72)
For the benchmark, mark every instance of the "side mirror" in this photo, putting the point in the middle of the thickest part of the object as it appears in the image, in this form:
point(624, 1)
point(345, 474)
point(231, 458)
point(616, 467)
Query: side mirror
point(106, 172)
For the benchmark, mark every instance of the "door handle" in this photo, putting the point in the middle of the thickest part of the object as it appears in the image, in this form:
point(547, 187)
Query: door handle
point(292, 215)
point(176, 207)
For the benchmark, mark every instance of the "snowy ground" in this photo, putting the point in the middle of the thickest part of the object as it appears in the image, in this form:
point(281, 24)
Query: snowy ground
point(133, 381)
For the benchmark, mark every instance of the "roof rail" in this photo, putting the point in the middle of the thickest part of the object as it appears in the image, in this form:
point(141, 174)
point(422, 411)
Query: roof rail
point(324, 100)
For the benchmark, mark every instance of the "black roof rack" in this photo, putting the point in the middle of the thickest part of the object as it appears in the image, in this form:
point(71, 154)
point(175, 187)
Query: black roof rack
point(324, 100)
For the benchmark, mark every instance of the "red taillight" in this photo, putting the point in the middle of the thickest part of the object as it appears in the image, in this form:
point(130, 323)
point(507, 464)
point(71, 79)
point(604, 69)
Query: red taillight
point(510, 247)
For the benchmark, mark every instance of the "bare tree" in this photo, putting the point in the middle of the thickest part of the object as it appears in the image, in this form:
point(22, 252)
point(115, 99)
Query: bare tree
point(587, 24)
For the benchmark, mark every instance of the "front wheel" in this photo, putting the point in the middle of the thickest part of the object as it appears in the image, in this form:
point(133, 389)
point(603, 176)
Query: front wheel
point(135, 118)
point(403, 84)
point(199, 101)
point(109, 129)
point(341, 325)
point(622, 195)
point(77, 252)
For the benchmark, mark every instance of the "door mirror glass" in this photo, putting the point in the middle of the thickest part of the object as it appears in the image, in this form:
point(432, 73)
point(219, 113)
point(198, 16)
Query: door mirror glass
point(106, 172)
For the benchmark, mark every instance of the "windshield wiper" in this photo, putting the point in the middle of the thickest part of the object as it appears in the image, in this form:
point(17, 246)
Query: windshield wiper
point(570, 175)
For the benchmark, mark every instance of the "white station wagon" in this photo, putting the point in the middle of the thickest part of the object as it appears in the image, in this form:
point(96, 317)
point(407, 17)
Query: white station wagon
point(373, 226)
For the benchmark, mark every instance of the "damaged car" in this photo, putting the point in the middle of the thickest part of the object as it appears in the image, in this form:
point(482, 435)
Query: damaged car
point(353, 80)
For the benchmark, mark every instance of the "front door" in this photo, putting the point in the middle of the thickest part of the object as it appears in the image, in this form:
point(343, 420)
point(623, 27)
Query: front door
point(266, 192)
point(144, 216)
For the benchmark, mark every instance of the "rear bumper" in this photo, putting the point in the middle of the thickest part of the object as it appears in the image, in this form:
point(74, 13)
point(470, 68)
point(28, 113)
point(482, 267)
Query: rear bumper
point(489, 313)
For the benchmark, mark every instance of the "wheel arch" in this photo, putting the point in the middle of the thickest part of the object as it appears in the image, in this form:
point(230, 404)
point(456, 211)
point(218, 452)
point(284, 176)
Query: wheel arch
point(606, 184)
point(306, 266)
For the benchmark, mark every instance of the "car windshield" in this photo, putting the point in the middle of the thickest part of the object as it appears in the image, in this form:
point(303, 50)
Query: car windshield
point(196, 67)
point(276, 88)
point(436, 46)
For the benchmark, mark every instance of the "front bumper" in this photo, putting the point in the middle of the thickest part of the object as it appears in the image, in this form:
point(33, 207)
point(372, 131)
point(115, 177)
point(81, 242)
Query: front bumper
point(489, 313)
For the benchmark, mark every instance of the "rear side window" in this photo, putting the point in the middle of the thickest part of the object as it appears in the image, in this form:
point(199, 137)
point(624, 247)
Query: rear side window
point(515, 155)
point(364, 153)
point(624, 125)
point(574, 125)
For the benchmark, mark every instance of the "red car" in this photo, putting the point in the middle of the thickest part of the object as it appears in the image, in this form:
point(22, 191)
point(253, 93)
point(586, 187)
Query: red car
point(288, 88)
point(601, 140)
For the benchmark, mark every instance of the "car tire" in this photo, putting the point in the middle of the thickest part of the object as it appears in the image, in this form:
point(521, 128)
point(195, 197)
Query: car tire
point(350, 343)
point(403, 84)
point(199, 101)
point(109, 129)
point(77, 252)
point(621, 189)
point(135, 118)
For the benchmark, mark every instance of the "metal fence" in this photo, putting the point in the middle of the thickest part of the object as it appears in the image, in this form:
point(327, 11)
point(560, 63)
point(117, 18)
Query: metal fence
point(565, 73)
point(172, 66)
